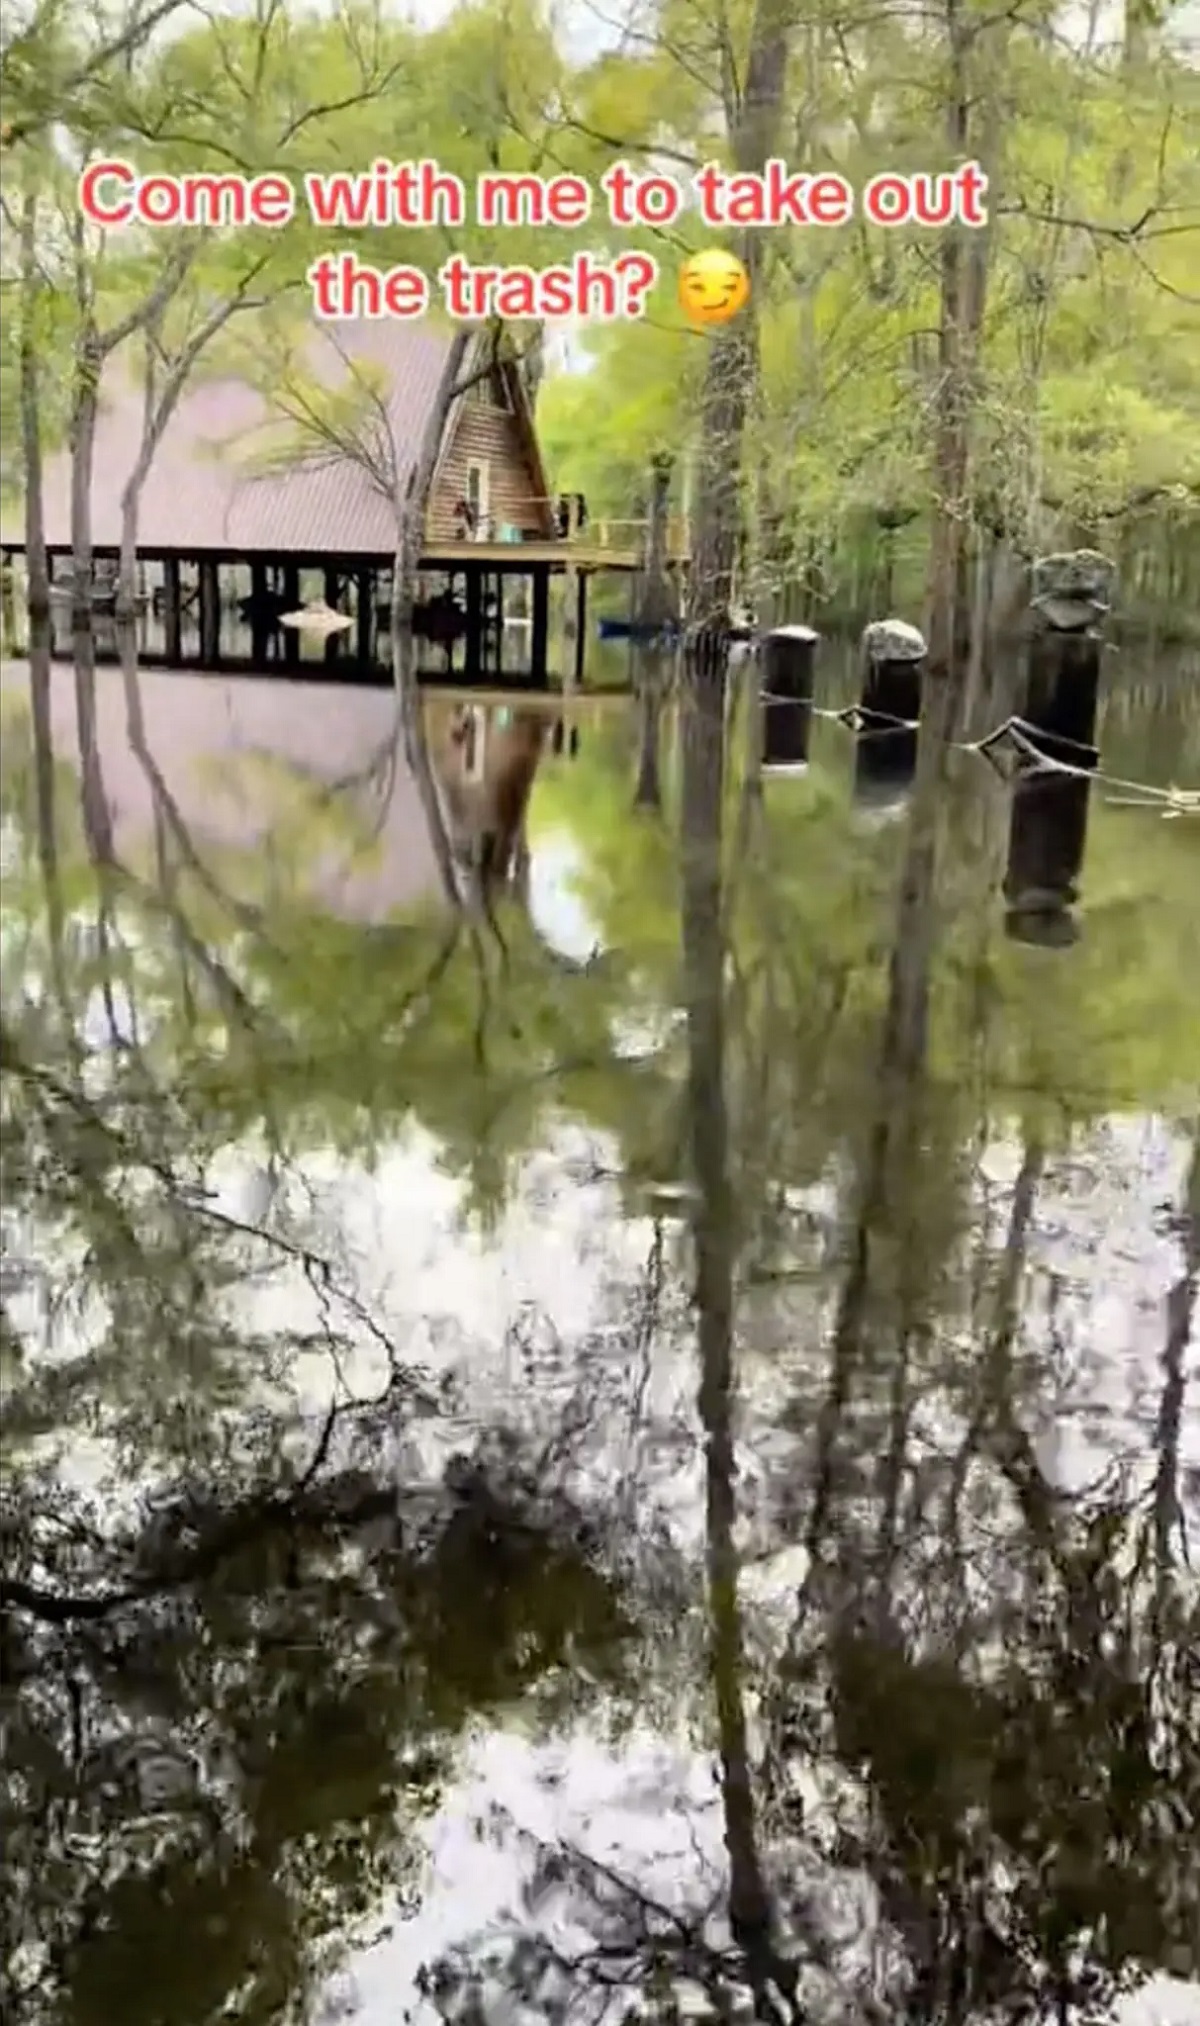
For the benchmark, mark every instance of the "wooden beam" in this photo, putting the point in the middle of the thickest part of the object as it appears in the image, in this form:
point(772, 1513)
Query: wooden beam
point(559, 555)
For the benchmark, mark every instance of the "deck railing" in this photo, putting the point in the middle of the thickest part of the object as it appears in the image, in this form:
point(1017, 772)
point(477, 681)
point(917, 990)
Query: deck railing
point(599, 534)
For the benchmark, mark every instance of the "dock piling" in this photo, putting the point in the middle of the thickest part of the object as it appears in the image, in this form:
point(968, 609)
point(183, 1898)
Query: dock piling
point(889, 706)
point(786, 677)
point(1070, 600)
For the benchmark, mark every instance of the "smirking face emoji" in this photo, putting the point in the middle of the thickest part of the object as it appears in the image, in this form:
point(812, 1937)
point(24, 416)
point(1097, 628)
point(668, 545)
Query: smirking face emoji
point(713, 286)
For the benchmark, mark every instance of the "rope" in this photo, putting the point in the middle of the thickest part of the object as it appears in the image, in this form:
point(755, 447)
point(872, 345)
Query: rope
point(866, 723)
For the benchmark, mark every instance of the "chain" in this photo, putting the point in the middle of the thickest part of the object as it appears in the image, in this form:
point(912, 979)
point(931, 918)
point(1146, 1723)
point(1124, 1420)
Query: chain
point(1020, 738)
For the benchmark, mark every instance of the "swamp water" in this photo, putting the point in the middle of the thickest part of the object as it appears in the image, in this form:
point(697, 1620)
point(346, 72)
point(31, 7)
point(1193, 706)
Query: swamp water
point(418, 1605)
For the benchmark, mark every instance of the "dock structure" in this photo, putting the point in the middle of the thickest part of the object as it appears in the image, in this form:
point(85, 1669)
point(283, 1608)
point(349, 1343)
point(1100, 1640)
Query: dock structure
point(258, 502)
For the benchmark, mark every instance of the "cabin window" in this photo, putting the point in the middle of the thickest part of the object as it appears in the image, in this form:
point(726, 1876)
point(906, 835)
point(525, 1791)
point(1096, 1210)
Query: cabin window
point(477, 500)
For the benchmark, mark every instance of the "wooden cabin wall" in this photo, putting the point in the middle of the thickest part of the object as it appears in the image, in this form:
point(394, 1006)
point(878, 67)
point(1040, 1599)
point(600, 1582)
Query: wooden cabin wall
point(485, 433)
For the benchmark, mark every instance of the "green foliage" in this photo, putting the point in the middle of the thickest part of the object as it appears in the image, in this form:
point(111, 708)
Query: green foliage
point(1088, 395)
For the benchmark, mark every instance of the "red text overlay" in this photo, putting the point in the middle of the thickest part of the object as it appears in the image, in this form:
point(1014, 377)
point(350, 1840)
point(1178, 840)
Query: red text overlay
point(113, 195)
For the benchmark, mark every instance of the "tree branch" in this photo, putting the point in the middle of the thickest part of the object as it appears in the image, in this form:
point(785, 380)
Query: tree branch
point(129, 39)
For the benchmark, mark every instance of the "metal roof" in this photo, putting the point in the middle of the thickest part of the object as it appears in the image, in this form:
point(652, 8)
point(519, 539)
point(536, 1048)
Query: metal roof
point(207, 489)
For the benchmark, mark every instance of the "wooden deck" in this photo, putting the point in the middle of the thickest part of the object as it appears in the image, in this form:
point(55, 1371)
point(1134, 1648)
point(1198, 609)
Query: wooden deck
point(602, 545)
point(606, 545)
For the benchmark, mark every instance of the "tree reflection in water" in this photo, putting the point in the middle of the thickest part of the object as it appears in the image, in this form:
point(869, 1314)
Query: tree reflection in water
point(275, 1554)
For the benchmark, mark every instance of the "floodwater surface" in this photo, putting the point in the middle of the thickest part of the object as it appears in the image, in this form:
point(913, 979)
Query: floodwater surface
point(629, 1453)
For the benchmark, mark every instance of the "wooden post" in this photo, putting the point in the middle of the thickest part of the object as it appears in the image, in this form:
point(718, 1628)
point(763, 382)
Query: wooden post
point(497, 618)
point(335, 644)
point(209, 599)
point(889, 707)
point(576, 602)
point(8, 603)
point(172, 613)
point(1071, 599)
point(788, 656)
point(654, 606)
point(539, 632)
point(473, 645)
point(261, 615)
point(291, 596)
point(364, 613)
point(581, 599)
point(1047, 837)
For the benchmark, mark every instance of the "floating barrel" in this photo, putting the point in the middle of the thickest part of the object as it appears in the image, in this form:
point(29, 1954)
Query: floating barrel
point(787, 664)
point(889, 705)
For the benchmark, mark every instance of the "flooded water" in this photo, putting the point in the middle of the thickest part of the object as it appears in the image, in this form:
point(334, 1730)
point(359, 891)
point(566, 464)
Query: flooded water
point(631, 1453)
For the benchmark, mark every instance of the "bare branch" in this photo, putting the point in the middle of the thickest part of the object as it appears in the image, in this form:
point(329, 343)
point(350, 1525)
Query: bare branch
point(129, 39)
point(178, 261)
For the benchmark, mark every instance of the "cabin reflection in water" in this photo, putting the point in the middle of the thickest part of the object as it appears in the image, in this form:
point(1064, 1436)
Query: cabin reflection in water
point(487, 758)
point(294, 792)
point(1047, 840)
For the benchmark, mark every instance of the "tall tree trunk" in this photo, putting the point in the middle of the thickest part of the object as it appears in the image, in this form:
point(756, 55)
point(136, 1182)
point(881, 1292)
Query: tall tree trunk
point(943, 688)
point(731, 372)
point(410, 508)
point(96, 814)
point(714, 1241)
point(162, 397)
point(1181, 1302)
point(37, 573)
point(655, 607)
point(963, 287)
point(647, 792)
point(92, 348)
point(729, 380)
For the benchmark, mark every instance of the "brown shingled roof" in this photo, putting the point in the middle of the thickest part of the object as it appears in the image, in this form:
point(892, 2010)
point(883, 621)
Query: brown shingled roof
point(207, 490)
